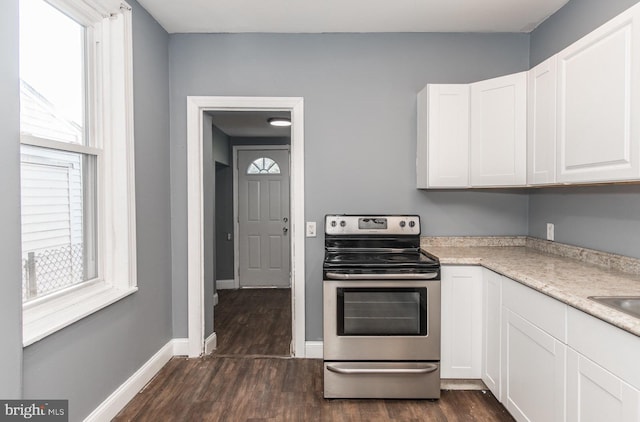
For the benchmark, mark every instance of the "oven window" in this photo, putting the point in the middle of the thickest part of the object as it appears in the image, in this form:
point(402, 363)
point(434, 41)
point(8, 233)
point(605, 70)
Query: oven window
point(382, 311)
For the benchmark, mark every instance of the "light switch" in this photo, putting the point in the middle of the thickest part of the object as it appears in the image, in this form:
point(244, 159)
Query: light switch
point(311, 229)
point(550, 231)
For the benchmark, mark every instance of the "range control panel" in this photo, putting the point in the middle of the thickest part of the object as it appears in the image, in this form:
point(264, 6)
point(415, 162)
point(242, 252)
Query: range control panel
point(341, 224)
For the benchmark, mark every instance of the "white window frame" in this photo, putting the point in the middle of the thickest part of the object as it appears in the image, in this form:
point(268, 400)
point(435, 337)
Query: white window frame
point(110, 121)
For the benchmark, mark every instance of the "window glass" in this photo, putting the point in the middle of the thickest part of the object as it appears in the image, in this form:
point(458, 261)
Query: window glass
point(263, 165)
point(58, 228)
point(52, 73)
point(58, 170)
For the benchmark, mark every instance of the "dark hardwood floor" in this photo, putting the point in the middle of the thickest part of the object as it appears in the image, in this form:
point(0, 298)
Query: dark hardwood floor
point(245, 381)
point(253, 322)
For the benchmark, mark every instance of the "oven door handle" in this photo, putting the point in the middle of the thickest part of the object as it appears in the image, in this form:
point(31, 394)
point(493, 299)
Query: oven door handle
point(398, 276)
point(359, 371)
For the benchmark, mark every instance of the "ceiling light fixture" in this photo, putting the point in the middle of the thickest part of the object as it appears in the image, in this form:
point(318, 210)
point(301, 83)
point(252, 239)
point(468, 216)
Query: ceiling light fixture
point(279, 121)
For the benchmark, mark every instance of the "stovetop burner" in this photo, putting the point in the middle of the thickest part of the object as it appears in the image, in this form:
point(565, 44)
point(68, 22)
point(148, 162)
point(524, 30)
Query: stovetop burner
point(339, 258)
point(379, 263)
point(353, 245)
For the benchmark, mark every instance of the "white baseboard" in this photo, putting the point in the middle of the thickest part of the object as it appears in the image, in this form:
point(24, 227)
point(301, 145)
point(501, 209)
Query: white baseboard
point(462, 384)
point(225, 284)
point(180, 347)
point(210, 344)
point(313, 349)
point(113, 404)
point(109, 408)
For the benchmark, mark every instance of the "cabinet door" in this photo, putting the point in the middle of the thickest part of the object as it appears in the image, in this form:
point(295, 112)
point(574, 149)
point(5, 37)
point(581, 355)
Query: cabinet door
point(533, 364)
point(598, 109)
point(610, 347)
point(491, 325)
point(541, 119)
point(594, 394)
point(499, 131)
point(443, 136)
point(461, 336)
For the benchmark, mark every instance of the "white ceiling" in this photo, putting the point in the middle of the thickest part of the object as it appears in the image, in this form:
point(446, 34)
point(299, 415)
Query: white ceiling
point(251, 124)
point(317, 16)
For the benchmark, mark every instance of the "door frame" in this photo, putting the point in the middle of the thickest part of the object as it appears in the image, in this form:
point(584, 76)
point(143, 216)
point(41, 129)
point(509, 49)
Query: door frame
point(196, 106)
point(236, 222)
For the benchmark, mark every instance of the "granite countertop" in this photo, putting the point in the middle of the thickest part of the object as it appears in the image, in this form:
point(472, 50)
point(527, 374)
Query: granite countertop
point(568, 279)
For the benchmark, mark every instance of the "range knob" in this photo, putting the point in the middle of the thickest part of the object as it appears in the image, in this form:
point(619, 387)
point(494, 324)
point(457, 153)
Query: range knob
point(412, 223)
point(343, 223)
point(333, 223)
point(402, 224)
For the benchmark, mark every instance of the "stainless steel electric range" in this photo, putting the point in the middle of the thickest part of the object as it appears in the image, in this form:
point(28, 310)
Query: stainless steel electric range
point(381, 309)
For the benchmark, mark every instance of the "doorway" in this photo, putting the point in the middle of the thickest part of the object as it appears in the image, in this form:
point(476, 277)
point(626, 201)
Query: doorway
point(253, 322)
point(261, 183)
point(196, 107)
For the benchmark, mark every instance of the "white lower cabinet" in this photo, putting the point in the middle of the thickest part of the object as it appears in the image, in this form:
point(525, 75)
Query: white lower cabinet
point(461, 337)
point(603, 371)
point(544, 361)
point(595, 394)
point(491, 329)
point(533, 354)
point(532, 370)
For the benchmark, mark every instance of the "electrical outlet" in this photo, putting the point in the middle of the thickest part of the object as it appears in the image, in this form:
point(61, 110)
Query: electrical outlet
point(311, 229)
point(550, 231)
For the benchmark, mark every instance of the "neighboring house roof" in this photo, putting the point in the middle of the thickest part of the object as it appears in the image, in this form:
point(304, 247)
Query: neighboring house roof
point(39, 117)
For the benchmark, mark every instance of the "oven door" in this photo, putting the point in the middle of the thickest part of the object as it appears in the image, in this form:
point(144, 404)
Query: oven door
point(382, 320)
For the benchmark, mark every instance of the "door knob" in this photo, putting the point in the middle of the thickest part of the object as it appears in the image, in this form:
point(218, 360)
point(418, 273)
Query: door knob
point(285, 230)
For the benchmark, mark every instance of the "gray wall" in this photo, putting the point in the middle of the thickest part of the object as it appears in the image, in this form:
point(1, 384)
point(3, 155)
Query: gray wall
point(602, 217)
point(599, 217)
point(215, 154)
point(360, 127)
point(209, 228)
point(215, 151)
point(88, 360)
point(11, 297)
point(221, 148)
point(224, 222)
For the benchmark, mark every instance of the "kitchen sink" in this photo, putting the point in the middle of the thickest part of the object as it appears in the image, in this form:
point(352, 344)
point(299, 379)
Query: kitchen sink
point(627, 304)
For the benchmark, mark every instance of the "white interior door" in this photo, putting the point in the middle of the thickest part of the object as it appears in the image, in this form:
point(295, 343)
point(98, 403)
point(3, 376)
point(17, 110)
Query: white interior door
point(263, 218)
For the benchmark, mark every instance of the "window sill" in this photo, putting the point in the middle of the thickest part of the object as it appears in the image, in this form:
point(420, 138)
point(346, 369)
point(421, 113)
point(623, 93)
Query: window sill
point(42, 320)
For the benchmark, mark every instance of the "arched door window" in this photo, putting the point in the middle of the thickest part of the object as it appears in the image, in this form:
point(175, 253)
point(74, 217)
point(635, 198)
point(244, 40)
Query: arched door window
point(263, 165)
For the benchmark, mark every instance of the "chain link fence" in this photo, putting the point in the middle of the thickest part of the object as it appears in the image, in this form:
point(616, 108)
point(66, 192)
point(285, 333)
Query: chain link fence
point(48, 270)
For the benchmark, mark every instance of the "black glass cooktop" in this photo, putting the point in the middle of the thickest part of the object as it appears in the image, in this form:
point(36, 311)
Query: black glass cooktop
point(391, 260)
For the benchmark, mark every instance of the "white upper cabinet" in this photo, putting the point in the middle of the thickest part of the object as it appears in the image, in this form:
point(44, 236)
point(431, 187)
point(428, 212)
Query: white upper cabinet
point(541, 123)
point(574, 118)
point(473, 135)
point(499, 131)
point(443, 136)
point(598, 132)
